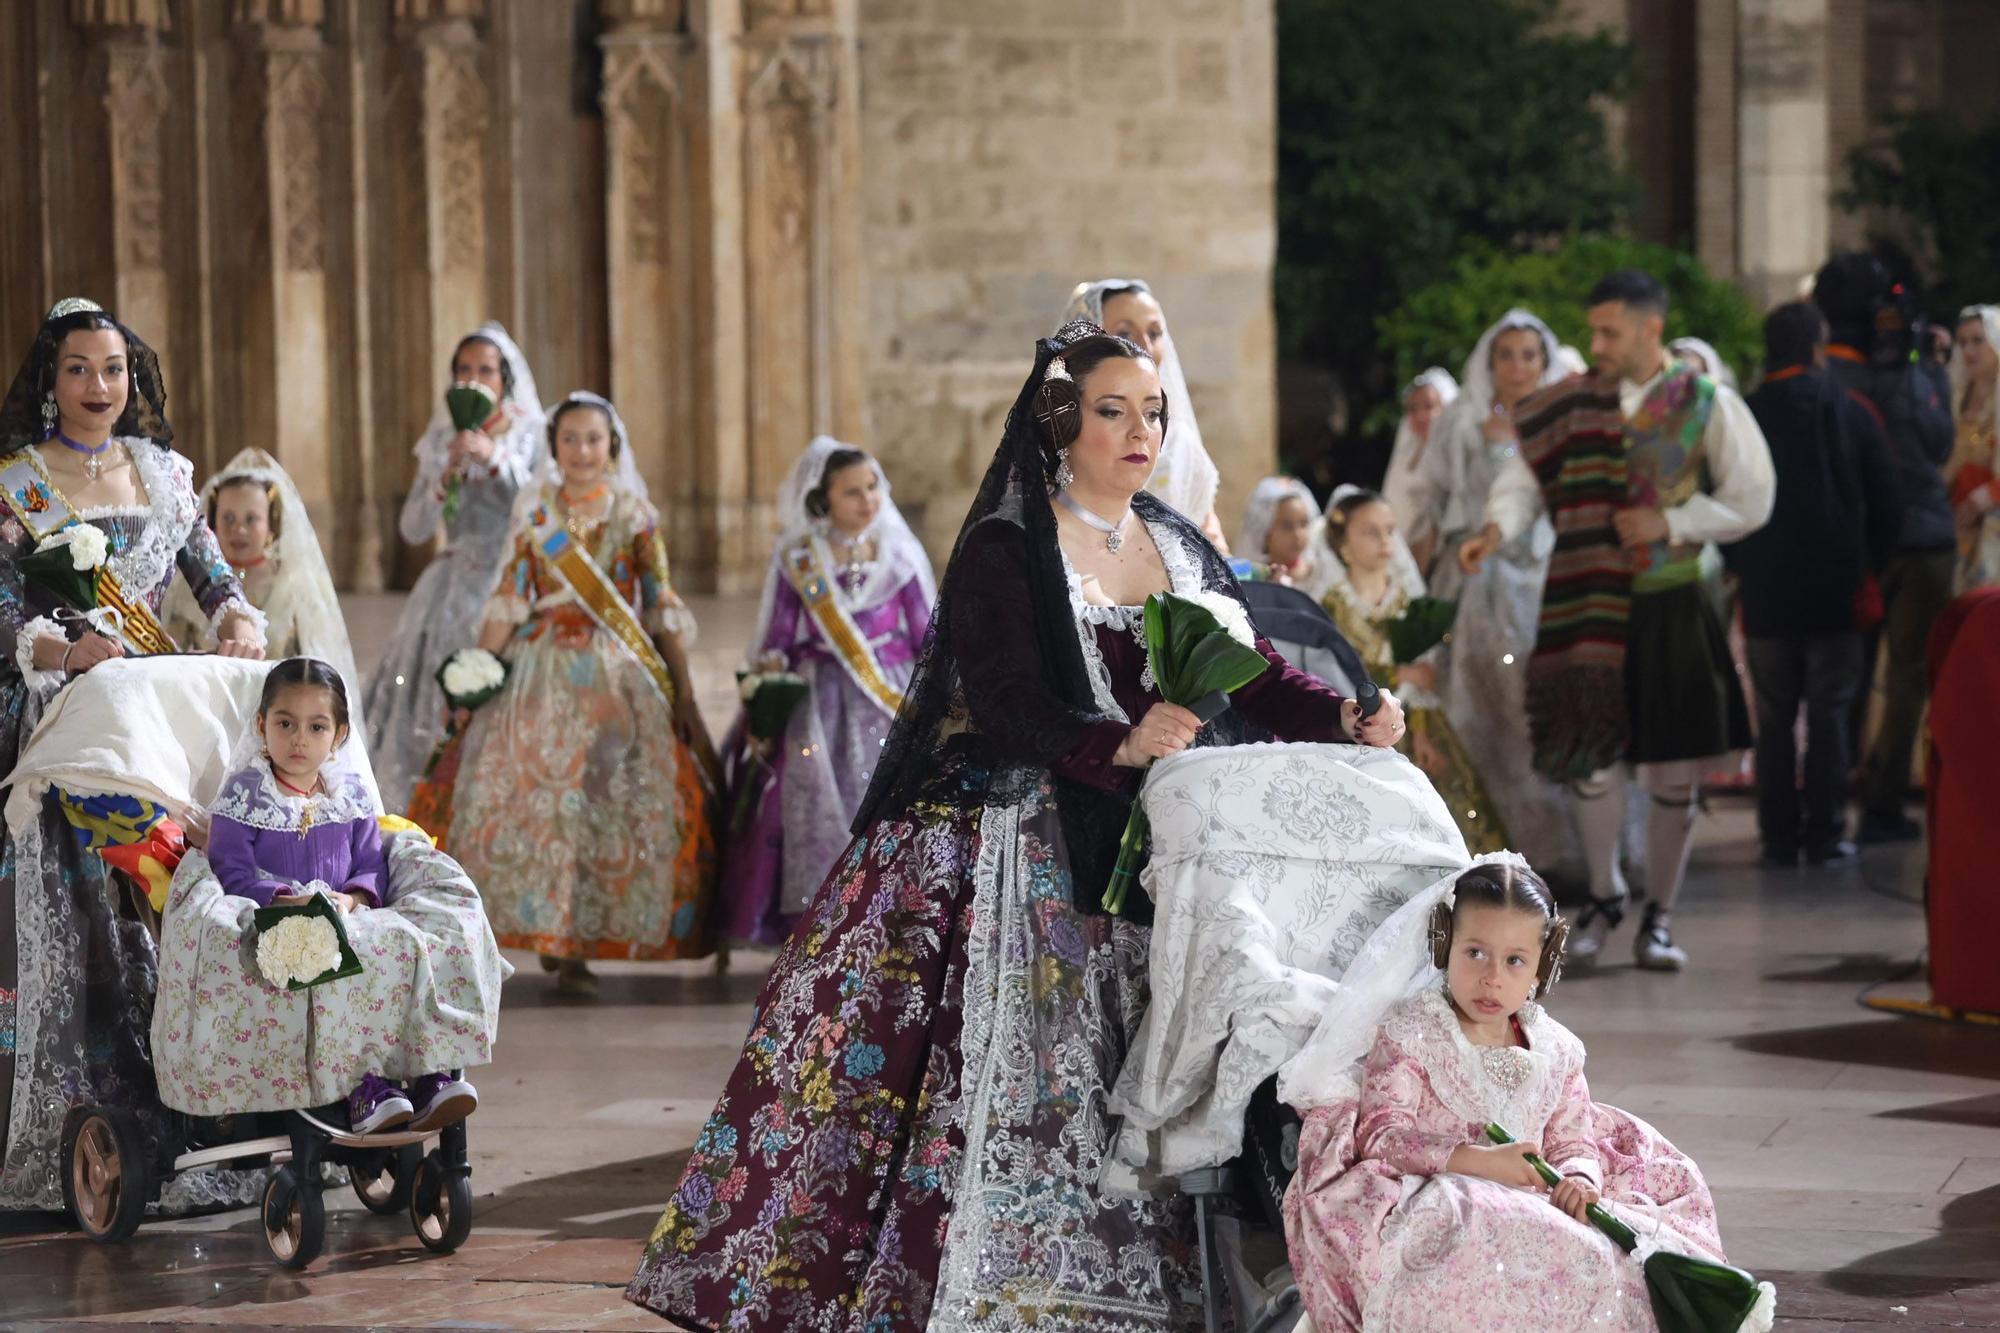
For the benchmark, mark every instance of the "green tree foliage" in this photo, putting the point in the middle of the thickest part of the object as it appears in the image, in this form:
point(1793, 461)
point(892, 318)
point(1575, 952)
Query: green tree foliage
point(1440, 323)
point(1938, 175)
point(1408, 129)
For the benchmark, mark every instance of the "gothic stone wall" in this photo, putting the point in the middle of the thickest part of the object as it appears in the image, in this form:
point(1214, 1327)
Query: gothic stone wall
point(1013, 150)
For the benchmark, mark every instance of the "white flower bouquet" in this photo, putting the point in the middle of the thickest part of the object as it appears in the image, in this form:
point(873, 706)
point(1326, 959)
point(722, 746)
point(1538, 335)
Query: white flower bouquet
point(471, 677)
point(67, 565)
point(303, 944)
point(87, 547)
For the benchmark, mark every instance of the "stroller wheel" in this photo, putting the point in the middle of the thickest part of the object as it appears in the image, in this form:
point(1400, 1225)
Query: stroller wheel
point(107, 1177)
point(441, 1205)
point(294, 1218)
point(383, 1183)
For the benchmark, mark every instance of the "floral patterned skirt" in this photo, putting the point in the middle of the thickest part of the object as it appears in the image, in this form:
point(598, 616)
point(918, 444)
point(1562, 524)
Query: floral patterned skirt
point(579, 814)
point(914, 1135)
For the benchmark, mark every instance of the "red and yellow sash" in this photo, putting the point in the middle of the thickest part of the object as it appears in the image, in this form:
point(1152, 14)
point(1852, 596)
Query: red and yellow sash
point(610, 611)
point(33, 498)
point(806, 568)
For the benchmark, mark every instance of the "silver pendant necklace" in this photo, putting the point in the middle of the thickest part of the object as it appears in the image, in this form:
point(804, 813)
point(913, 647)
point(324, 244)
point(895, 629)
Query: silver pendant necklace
point(1114, 533)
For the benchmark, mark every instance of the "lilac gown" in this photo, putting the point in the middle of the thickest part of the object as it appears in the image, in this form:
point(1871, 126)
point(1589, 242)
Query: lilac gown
point(427, 999)
point(819, 771)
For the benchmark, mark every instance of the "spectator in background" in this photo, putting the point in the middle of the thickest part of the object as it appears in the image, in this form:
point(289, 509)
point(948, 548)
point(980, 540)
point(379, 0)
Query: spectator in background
point(1913, 402)
point(1834, 520)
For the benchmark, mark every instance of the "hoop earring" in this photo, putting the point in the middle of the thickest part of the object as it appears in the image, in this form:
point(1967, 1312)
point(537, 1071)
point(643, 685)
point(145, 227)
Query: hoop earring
point(1065, 474)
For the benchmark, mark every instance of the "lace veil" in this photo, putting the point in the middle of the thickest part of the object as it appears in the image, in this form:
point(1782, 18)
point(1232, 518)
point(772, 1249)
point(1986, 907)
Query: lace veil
point(145, 415)
point(303, 592)
point(1394, 964)
point(625, 477)
point(1016, 491)
point(1712, 364)
point(1185, 476)
point(520, 398)
point(1262, 512)
point(898, 553)
point(1408, 452)
point(1989, 318)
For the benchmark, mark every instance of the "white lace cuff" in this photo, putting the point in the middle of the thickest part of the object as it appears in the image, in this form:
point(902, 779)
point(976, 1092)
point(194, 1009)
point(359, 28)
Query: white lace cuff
point(507, 609)
point(672, 618)
point(39, 681)
point(259, 622)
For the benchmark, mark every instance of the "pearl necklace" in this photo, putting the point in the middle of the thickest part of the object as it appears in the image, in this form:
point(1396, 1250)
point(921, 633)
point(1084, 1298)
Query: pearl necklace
point(1114, 533)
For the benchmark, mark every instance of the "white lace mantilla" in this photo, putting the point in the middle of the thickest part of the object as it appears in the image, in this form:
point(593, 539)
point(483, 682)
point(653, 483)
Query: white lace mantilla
point(1507, 1086)
point(254, 798)
point(1272, 866)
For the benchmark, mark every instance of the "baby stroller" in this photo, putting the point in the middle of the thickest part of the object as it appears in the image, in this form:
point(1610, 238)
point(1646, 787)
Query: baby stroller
point(128, 751)
point(1271, 867)
point(1304, 634)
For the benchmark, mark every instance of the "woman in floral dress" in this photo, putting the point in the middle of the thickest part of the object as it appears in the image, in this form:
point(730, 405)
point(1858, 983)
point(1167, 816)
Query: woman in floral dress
point(84, 437)
point(914, 1135)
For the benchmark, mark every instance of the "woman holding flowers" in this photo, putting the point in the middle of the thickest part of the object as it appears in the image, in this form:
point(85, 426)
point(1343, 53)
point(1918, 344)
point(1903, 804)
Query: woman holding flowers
point(96, 514)
point(467, 480)
point(1409, 1212)
point(584, 801)
point(914, 1134)
point(846, 604)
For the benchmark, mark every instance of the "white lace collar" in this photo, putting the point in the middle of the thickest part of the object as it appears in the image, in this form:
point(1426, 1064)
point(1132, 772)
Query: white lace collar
point(1510, 1086)
point(255, 797)
point(148, 559)
point(1183, 576)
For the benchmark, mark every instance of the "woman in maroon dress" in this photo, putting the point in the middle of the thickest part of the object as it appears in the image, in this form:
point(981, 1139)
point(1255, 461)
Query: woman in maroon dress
point(913, 1136)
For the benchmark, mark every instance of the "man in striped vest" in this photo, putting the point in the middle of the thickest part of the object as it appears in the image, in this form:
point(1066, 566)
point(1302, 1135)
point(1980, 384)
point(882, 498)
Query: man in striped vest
point(1644, 465)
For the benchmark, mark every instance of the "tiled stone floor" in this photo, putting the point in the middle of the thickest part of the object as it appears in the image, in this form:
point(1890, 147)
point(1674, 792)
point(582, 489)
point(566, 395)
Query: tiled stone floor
point(1855, 1157)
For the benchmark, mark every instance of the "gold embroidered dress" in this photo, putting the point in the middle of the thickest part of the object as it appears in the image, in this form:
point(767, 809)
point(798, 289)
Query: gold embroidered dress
point(580, 814)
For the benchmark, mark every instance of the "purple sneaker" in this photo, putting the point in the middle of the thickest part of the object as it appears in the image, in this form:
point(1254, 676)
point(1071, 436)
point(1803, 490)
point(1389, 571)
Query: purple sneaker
point(442, 1099)
point(377, 1106)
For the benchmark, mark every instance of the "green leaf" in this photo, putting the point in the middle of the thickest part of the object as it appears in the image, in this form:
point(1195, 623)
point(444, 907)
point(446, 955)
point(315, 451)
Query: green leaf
point(1422, 626)
point(1218, 662)
point(1159, 651)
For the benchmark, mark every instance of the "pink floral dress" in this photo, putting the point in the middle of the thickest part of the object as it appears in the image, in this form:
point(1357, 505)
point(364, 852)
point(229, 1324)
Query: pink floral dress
point(1381, 1236)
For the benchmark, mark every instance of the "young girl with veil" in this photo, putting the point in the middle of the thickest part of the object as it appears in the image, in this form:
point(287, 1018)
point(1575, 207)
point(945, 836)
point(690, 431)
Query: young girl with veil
point(846, 604)
point(465, 488)
point(1185, 476)
point(1281, 533)
point(1424, 400)
point(1404, 1212)
point(584, 805)
point(268, 539)
point(1372, 580)
point(296, 818)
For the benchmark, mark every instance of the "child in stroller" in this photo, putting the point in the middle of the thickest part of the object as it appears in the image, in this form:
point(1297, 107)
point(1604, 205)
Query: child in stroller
point(247, 1070)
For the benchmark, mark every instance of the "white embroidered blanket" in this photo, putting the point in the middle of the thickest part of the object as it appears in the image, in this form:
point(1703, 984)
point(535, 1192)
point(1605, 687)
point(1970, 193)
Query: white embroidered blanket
point(165, 729)
point(1271, 865)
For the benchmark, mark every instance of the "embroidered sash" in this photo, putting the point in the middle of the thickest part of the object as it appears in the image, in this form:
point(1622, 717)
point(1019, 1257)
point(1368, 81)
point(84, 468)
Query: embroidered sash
point(610, 611)
point(32, 496)
point(805, 566)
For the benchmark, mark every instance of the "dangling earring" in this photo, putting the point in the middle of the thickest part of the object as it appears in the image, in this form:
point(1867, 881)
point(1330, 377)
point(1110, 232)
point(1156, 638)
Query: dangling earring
point(49, 415)
point(1065, 474)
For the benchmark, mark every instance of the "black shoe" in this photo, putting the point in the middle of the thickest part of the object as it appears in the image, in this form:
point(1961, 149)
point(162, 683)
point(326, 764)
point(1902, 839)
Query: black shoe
point(1778, 858)
point(1841, 853)
point(1899, 829)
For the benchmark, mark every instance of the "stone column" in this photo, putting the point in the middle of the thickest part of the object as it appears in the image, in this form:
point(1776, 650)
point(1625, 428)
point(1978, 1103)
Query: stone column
point(131, 68)
point(454, 110)
point(1784, 126)
point(287, 384)
point(1716, 136)
point(655, 219)
point(804, 295)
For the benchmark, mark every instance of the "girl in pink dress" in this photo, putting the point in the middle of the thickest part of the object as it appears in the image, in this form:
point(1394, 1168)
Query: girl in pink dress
point(1403, 1214)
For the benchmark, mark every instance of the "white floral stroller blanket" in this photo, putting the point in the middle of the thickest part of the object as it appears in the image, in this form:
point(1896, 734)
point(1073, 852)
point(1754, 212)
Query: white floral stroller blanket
point(1271, 866)
point(225, 1041)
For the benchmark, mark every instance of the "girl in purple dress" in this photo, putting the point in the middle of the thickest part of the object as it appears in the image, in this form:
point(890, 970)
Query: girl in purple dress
point(846, 604)
point(288, 827)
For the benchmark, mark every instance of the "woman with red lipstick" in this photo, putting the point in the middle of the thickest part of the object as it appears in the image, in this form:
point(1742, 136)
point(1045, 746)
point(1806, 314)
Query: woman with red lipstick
point(914, 1135)
point(85, 463)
